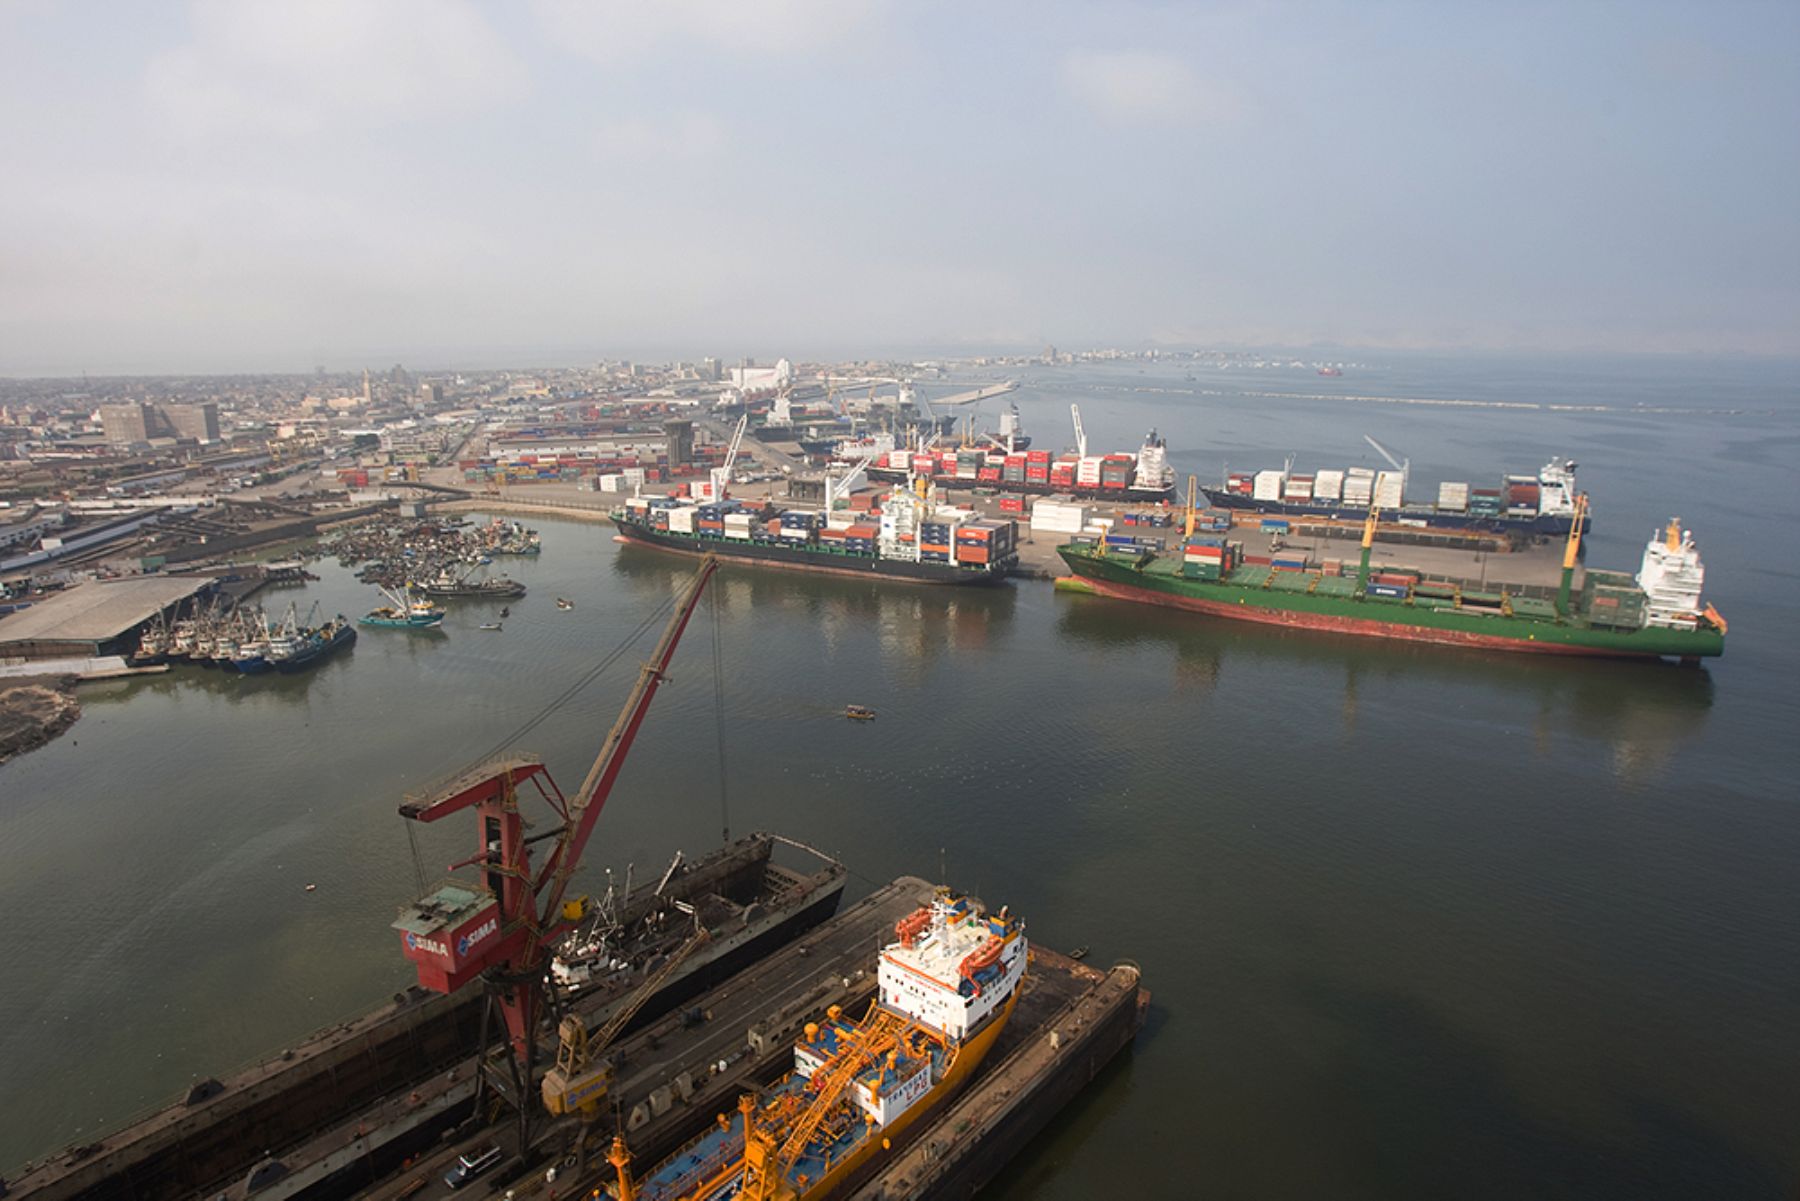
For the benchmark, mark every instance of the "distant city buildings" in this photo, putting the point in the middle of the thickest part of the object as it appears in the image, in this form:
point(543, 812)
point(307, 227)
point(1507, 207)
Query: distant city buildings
point(141, 421)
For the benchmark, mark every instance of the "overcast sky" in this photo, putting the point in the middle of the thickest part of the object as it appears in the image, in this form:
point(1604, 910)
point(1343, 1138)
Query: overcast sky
point(244, 185)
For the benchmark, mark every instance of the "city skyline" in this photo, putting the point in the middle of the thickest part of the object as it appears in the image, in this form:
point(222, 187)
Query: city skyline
point(267, 187)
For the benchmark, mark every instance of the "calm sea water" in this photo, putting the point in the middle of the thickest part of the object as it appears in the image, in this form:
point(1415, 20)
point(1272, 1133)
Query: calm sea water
point(1418, 923)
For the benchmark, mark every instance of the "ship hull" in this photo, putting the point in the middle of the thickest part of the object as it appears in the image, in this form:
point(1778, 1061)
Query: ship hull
point(766, 554)
point(1546, 524)
point(1343, 615)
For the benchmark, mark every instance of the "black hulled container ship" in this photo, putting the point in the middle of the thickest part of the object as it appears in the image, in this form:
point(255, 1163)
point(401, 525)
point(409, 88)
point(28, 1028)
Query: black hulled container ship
point(908, 536)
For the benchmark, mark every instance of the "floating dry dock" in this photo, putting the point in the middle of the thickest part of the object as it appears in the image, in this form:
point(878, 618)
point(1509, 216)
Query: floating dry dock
point(1070, 1021)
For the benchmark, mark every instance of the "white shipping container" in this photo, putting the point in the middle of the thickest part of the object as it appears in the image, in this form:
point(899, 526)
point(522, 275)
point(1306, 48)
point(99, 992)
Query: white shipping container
point(1453, 497)
point(612, 482)
point(1328, 485)
point(840, 521)
point(681, 521)
point(1357, 491)
point(633, 475)
point(733, 531)
point(1298, 489)
point(735, 521)
point(1268, 485)
point(1388, 488)
point(796, 535)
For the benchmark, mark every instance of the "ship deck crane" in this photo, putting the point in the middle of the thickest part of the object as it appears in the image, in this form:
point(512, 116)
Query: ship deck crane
point(1080, 434)
point(499, 930)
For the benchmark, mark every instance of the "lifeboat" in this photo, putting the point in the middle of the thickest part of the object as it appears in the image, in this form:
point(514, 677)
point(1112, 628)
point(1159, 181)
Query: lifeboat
point(981, 959)
point(910, 927)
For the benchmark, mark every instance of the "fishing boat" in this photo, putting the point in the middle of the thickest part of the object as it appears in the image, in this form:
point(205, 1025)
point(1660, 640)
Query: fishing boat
point(404, 611)
point(449, 586)
point(859, 713)
point(947, 986)
point(319, 643)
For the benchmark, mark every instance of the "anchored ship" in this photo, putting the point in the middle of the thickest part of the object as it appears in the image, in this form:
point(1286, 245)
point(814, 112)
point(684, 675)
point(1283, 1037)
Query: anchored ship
point(1657, 613)
point(947, 986)
point(1528, 504)
point(909, 536)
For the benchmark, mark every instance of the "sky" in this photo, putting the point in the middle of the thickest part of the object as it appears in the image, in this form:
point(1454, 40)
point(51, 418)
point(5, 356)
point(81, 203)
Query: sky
point(273, 185)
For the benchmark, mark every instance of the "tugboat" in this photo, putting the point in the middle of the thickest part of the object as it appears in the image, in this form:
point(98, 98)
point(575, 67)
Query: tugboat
point(404, 612)
point(947, 988)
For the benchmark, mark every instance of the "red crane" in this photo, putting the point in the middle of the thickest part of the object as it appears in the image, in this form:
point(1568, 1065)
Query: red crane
point(500, 929)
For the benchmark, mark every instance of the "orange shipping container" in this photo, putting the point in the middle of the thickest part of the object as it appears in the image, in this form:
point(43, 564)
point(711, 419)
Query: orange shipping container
point(971, 554)
point(942, 550)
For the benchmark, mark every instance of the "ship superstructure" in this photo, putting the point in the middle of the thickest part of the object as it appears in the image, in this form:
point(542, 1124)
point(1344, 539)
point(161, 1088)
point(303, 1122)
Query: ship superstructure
point(947, 986)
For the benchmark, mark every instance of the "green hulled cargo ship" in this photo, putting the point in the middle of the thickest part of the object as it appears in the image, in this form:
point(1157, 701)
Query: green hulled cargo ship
point(1657, 613)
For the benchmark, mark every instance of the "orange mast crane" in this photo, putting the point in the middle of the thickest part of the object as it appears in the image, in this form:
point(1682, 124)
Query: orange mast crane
point(764, 1163)
point(499, 930)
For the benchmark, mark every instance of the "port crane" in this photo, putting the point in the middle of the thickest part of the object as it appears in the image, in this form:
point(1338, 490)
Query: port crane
point(1402, 466)
point(720, 479)
point(498, 931)
point(1080, 434)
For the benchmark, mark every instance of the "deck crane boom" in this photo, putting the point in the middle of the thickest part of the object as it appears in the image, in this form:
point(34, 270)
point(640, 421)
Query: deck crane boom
point(498, 929)
point(1080, 434)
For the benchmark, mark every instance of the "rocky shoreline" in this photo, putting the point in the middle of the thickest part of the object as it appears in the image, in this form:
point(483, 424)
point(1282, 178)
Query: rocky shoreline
point(34, 710)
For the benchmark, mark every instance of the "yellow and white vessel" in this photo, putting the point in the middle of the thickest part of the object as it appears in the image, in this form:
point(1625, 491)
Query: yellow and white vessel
point(948, 984)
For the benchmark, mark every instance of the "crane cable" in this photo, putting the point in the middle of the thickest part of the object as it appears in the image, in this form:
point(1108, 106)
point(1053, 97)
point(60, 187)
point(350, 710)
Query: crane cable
point(655, 617)
point(718, 658)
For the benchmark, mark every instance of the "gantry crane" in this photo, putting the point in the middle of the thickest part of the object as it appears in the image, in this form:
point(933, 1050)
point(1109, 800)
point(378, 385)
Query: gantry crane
point(499, 929)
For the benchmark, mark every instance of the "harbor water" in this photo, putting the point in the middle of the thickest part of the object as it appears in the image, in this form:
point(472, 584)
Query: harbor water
point(1417, 922)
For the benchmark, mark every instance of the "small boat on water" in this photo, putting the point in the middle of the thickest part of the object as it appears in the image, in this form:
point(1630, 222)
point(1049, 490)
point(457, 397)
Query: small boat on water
point(564, 604)
point(859, 713)
point(489, 625)
point(505, 610)
point(405, 611)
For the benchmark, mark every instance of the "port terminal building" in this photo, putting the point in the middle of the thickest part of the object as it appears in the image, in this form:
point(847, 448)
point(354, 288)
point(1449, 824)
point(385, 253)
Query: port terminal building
point(102, 617)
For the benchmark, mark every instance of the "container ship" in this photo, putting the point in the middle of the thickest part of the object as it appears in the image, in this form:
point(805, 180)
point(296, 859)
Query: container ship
point(1657, 613)
point(1144, 477)
point(905, 536)
point(1543, 504)
point(946, 988)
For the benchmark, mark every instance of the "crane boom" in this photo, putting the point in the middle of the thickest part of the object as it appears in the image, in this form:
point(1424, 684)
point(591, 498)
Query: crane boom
point(1396, 464)
point(498, 928)
point(1080, 434)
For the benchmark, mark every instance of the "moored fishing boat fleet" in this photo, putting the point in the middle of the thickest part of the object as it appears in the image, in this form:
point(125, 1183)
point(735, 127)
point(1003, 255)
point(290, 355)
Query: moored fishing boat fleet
point(243, 639)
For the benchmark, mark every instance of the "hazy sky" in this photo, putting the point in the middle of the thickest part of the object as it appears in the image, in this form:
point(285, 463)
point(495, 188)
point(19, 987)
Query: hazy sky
point(245, 185)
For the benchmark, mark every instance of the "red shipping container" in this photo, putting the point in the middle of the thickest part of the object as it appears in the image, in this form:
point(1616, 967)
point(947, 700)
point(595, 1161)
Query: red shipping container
point(988, 475)
point(971, 554)
point(1037, 456)
point(862, 531)
point(942, 550)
